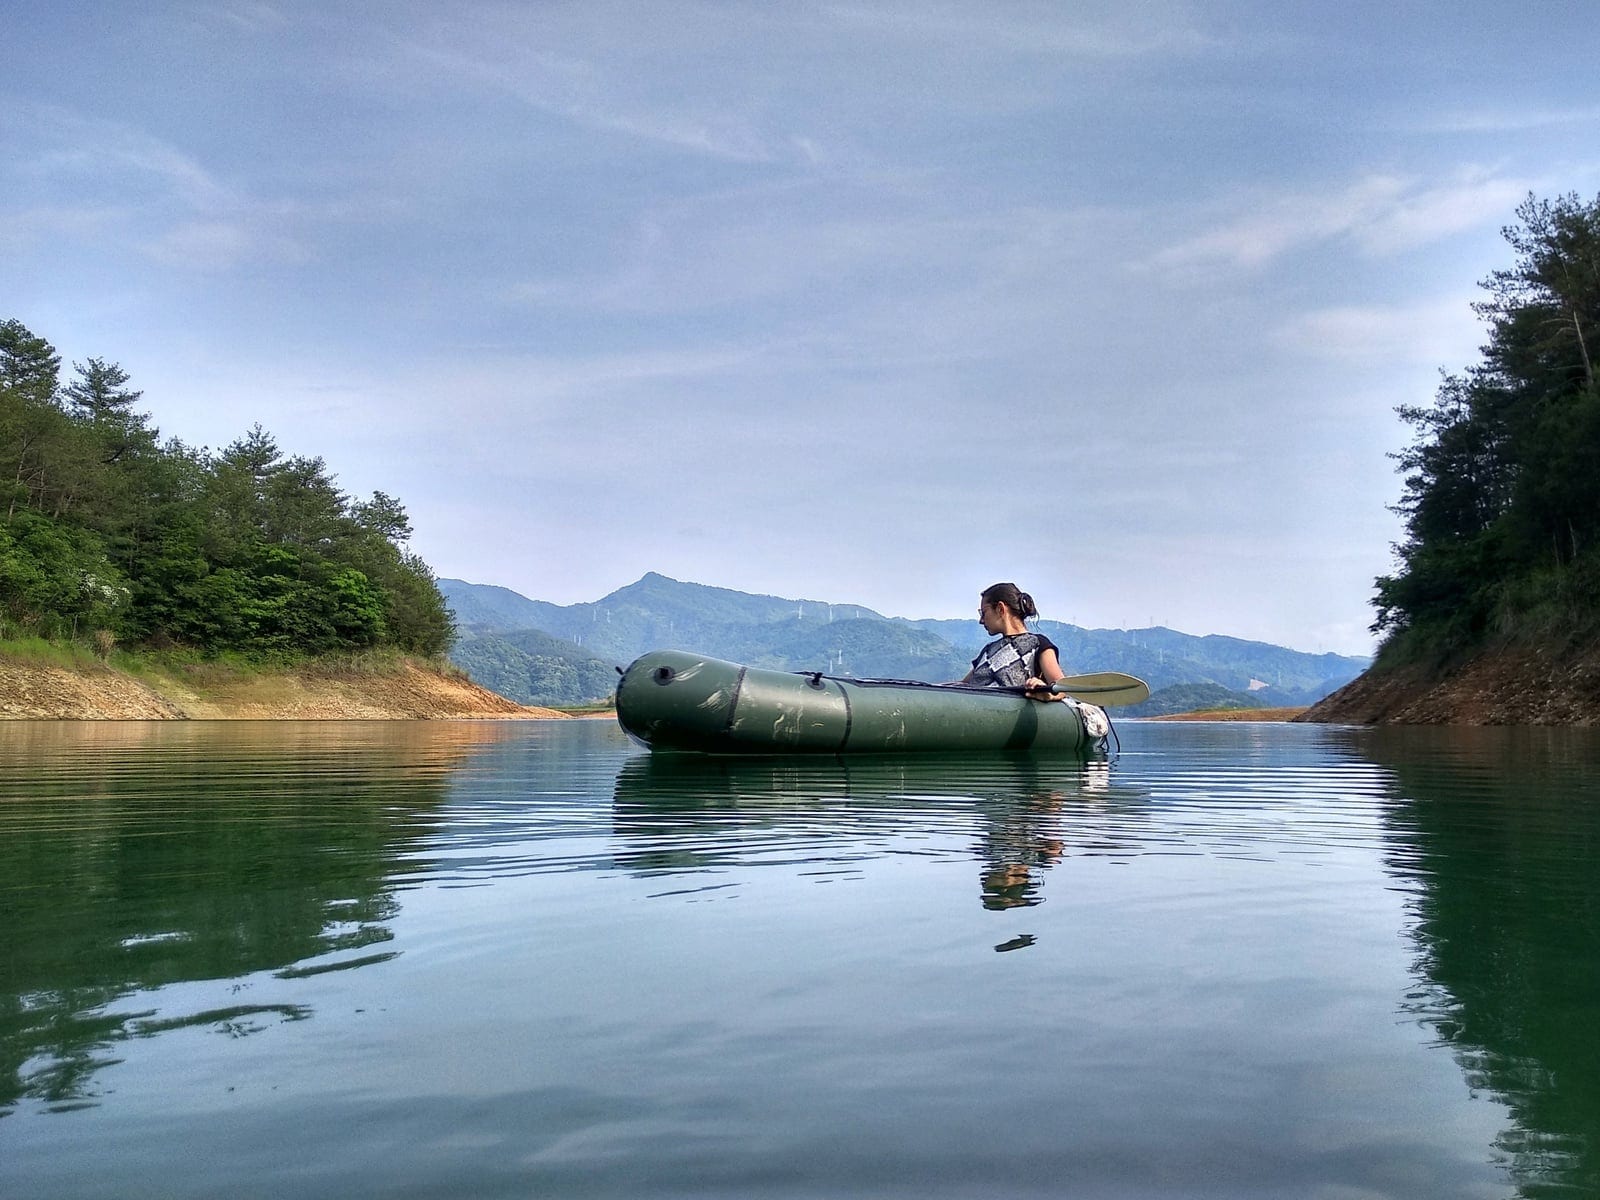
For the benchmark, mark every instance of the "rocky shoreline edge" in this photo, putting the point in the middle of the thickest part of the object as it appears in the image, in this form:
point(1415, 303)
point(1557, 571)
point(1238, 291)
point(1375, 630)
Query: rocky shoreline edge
point(1511, 684)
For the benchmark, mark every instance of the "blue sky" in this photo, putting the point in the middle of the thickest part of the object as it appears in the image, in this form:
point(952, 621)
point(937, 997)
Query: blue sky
point(861, 302)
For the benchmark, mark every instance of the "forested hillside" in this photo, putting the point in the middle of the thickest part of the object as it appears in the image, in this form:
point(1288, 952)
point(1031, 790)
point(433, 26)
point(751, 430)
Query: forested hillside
point(531, 667)
point(109, 532)
point(1502, 484)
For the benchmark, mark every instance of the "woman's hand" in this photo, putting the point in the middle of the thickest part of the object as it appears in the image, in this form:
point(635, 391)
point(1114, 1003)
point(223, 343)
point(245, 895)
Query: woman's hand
point(1049, 671)
point(1038, 689)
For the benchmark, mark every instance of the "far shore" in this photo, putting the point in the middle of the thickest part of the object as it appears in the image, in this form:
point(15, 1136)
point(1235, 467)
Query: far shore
point(72, 687)
point(1231, 714)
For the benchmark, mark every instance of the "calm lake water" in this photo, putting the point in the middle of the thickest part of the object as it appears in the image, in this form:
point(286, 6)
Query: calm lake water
point(526, 959)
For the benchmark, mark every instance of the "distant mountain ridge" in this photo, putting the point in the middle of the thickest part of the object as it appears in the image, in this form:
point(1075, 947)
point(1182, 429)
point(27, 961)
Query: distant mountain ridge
point(542, 653)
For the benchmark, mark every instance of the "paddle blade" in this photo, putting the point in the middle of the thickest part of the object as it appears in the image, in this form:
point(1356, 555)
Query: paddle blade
point(1105, 688)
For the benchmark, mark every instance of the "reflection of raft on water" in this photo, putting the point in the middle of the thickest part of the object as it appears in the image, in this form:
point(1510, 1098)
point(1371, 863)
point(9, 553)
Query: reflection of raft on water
point(678, 784)
point(671, 700)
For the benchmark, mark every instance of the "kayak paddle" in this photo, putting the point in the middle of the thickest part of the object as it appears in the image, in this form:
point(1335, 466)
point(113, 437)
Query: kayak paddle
point(1105, 688)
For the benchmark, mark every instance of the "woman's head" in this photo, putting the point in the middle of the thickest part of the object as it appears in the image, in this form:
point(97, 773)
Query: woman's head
point(1009, 597)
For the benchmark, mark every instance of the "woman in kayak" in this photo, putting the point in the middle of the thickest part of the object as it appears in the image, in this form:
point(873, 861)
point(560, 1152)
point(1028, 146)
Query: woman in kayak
point(1018, 657)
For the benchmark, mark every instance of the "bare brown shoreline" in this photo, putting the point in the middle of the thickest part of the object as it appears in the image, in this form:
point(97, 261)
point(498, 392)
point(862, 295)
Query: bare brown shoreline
point(407, 691)
point(1233, 714)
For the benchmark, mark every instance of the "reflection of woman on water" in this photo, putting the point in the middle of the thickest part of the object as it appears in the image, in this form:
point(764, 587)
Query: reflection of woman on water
point(1015, 850)
point(1021, 838)
point(1018, 657)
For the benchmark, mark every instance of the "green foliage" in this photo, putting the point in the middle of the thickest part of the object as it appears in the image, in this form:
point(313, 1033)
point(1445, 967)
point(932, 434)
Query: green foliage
point(55, 578)
point(106, 531)
point(533, 668)
point(420, 622)
point(1502, 495)
point(29, 365)
point(98, 392)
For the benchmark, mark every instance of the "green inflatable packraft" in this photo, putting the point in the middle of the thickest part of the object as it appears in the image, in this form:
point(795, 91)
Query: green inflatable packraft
point(673, 700)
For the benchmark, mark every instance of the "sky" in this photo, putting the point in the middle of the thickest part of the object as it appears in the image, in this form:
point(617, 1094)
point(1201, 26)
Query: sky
point(872, 303)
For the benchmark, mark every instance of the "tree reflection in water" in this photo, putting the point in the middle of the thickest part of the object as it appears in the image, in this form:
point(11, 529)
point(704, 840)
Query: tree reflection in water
point(1496, 833)
point(135, 856)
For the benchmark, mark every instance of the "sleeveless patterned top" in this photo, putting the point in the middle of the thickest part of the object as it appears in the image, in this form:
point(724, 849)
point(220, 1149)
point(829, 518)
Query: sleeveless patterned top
point(1010, 660)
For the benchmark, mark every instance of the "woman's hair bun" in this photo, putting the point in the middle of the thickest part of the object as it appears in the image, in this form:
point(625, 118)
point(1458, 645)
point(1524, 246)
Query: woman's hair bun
point(1013, 597)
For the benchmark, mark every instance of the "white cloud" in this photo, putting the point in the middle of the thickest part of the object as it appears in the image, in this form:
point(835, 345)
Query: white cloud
point(100, 180)
point(216, 245)
point(22, 227)
point(1422, 215)
point(1381, 215)
point(250, 16)
point(70, 149)
point(1095, 31)
point(1440, 332)
point(600, 99)
point(768, 84)
point(1503, 120)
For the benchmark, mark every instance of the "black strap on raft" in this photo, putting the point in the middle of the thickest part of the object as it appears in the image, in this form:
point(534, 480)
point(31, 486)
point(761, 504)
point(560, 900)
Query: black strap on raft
point(923, 683)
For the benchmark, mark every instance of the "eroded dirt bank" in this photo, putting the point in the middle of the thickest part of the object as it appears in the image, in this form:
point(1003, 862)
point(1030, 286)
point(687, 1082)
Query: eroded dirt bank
point(408, 691)
point(1508, 685)
point(1268, 715)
